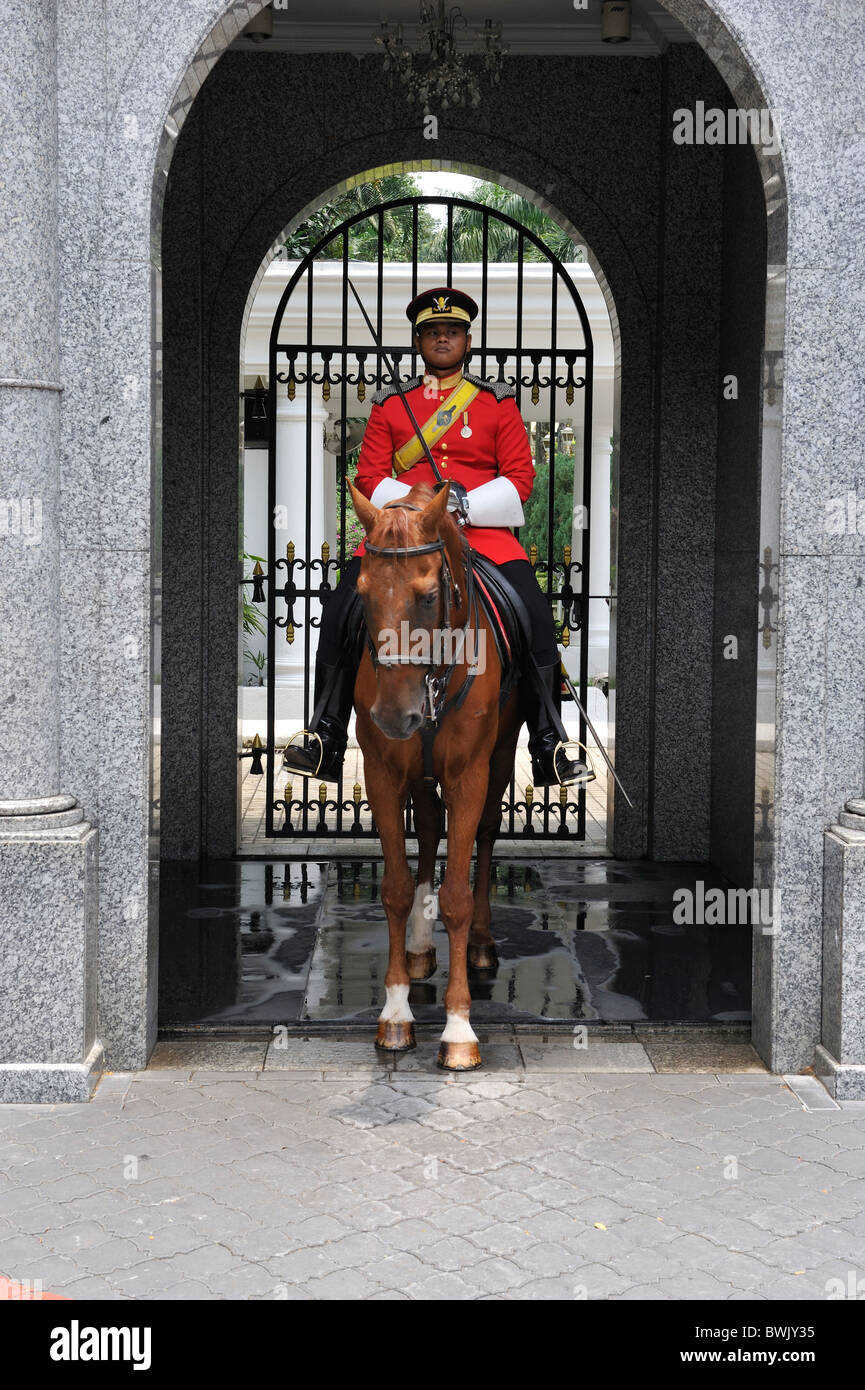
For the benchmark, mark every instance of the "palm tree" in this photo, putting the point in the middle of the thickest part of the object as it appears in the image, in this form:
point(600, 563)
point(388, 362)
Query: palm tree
point(503, 239)
point(363, 236)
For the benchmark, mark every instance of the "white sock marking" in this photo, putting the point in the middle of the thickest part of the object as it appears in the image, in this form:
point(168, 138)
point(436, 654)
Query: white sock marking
point(458, 1029)
point(420, 927)
point(396, 1008)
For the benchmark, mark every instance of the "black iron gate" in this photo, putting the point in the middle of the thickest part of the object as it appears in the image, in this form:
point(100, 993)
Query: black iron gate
point(349, 369)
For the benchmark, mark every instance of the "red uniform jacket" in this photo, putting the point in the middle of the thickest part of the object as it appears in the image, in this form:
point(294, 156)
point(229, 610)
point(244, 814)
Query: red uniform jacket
point(498, 444)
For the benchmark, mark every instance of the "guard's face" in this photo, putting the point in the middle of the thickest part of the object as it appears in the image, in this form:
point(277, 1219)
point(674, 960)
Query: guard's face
point(443, 345)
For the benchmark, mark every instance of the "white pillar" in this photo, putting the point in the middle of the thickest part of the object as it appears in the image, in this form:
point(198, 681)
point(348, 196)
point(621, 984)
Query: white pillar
point(291, 496)
point(599, 523)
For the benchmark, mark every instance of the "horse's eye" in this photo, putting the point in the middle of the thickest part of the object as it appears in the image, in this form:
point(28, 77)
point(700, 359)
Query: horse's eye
point(429, 599)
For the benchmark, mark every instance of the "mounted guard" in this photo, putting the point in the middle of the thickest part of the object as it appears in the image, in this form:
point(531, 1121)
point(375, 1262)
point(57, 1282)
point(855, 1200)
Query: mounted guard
point(472, 437)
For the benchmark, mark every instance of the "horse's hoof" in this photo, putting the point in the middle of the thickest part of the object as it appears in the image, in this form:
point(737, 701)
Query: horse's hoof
point(459, 1056)
point(394, 1036)
point(421, 964)
point(482, 957)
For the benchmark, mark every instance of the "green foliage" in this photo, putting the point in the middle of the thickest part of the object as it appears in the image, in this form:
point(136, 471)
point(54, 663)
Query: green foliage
point(503, 240)
point(363, 236)
point(252, 619)
point(535, 530)
point(432, 237)
point(354, 532)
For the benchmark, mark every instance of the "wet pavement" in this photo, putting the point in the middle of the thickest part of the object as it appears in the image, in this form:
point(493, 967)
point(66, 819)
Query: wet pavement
point(247, 943)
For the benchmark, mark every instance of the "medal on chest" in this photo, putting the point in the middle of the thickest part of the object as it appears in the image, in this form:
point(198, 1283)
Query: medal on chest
point(466, 430)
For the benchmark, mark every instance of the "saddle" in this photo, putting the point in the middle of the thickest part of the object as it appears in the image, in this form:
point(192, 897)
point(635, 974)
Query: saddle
point(508, 618)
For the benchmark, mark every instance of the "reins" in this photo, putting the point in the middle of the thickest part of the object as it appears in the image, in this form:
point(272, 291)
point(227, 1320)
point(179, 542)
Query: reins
point(436, 706)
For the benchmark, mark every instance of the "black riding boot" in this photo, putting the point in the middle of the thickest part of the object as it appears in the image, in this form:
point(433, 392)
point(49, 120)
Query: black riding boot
point(334, 682)
point(550, 768)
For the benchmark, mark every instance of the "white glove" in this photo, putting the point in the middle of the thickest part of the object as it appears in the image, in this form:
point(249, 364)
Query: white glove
point(496, 503)
point(388, 490)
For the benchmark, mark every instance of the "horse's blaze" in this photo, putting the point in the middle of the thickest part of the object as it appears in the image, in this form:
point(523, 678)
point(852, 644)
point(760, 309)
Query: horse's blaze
point(421, 964)
point(395, 1035)
point(459, 1056)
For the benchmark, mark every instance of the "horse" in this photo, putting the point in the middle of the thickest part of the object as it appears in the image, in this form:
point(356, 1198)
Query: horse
point(415, 577)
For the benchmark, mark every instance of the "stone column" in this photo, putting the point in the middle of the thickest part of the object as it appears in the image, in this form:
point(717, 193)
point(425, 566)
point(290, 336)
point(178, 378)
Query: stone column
point(291, 494)
point(48, 851)
point(840, 1057)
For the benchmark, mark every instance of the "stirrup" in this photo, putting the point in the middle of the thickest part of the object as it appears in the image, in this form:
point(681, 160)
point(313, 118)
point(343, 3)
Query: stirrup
point(579, 781)
point(301, 733)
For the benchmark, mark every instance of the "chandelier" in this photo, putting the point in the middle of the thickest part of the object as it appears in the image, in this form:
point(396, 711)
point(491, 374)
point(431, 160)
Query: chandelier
point(435, 72)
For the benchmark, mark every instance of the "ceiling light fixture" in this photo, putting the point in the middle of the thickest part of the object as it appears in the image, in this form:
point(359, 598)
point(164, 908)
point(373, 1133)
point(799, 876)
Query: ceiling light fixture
point(436, 72)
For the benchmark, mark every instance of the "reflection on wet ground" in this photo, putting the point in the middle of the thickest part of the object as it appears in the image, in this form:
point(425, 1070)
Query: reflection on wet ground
point(269, 942)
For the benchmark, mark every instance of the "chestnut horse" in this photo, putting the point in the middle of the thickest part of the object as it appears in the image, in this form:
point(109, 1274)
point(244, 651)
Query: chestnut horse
point(414, 576)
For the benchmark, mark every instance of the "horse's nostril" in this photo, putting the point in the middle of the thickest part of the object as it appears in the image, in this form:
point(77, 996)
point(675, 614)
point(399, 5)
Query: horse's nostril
point(396, 724)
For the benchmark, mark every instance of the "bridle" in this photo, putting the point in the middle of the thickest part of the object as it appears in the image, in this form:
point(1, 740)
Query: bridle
point(435, 704)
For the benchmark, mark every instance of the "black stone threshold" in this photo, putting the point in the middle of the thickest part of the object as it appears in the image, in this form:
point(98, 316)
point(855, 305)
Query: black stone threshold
point(673, 1031)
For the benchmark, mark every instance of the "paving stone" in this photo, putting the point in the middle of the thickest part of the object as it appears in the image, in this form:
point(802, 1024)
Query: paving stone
point(643, 1293)
point(547, 1258)
point(243, 1281)
point(283, 1181)
point(497, 1276)
point(503, 1238)
point(399, 1269)
point(598, 1057)
point(695, 1057)
point(52, 1271)
point(452, 1253)
point(319, 1054)
point(300, 1265)
point(466, 1220)
point(210, 1055)
point(78, 1235)
point(445, 1287)
point(559, 1289)
point(187, 1290)
point(91, 1286)
point(110, 1255)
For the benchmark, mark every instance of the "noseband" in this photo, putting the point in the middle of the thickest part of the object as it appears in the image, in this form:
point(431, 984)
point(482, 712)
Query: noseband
point(435, 706)
point(450, 587)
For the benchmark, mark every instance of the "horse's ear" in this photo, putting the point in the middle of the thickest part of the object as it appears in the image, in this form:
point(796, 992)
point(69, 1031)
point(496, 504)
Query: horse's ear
point(433, 512)
point(366, 513)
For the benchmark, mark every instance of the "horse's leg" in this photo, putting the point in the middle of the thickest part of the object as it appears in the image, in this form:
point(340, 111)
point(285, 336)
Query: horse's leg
point(481, 947)
point(387, 801)
point(459, 1049)
point(420, 951)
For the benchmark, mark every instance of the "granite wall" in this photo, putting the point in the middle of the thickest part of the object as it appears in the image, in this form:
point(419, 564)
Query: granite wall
point(737, 518)
point(653, 221)
point(128, 76)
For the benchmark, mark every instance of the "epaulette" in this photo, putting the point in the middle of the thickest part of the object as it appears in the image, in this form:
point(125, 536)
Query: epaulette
point(386, 391)
point(500, 389)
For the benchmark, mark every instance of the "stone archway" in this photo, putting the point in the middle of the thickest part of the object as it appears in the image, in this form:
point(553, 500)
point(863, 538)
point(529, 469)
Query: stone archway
point(685, 835)
point(93, 400)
